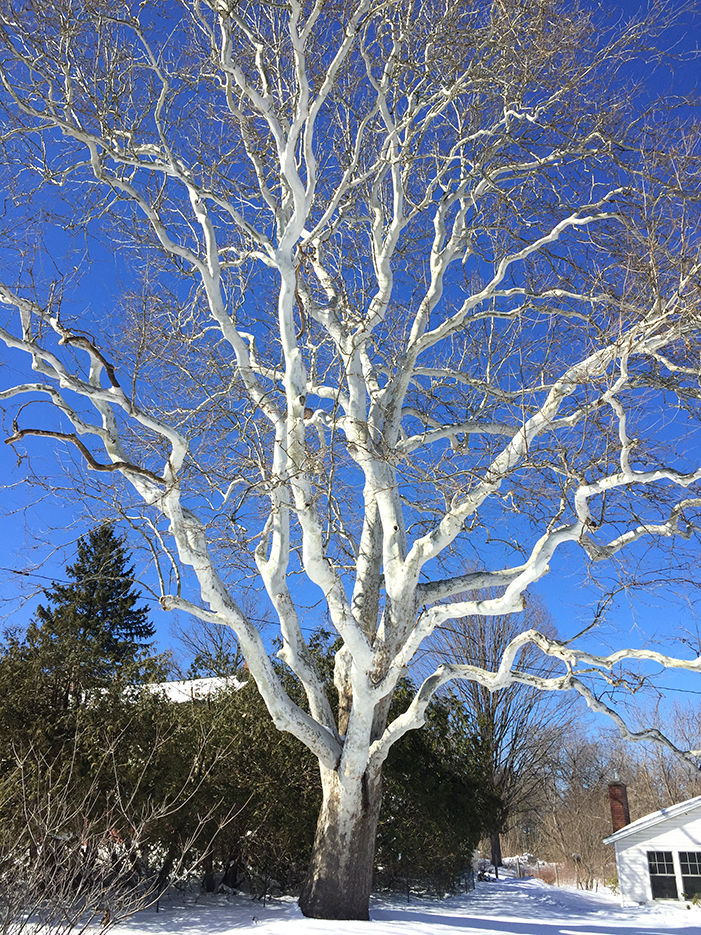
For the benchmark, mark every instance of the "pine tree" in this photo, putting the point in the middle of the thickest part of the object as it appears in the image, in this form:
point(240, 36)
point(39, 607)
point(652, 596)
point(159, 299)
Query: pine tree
point(91, 628)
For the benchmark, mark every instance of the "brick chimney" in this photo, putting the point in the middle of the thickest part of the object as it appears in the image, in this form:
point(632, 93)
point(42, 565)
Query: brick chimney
point(618, 800)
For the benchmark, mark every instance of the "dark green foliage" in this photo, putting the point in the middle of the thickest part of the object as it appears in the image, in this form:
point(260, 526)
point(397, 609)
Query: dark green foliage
point(87, 643)
point(75, 748)
point(437, 803)
point(274, 781)
point(206, 788)
point(92, 625)
point(272, 778)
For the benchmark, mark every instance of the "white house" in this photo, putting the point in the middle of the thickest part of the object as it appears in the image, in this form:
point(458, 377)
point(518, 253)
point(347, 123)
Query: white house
point(659, 856)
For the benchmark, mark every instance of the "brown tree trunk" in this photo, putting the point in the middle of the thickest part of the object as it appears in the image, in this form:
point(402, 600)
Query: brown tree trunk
point(339, 882)
point(208, 878)
point(495, 842)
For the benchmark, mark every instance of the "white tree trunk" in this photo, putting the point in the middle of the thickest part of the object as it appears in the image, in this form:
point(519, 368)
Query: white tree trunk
point(340, 874)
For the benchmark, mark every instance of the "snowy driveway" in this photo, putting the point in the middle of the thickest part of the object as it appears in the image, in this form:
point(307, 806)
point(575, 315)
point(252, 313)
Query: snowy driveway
point(509, 907)
point(527, 907)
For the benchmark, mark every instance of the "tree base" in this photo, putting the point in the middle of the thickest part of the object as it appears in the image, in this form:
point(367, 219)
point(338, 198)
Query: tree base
point(340, 875)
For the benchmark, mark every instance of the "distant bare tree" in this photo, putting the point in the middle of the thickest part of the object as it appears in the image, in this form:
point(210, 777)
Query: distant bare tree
point(578, 818)
point(574, 815)
point(519, 726)
point(210, 650)
point(656, 778)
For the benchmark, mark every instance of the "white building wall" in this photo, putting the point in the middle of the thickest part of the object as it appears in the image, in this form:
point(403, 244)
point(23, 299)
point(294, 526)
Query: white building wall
point(633, 875)
point(682, 833)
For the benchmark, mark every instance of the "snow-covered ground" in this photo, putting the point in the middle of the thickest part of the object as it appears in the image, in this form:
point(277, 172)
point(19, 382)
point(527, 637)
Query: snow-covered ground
point(507, 907)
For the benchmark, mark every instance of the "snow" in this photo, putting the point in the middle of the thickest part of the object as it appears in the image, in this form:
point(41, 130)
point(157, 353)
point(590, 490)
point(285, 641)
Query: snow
point(506, 907)
point(185, 690)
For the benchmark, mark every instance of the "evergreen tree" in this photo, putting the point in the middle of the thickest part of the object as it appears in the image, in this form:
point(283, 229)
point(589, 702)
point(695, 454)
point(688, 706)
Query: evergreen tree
point(92, 627)
point(438, 801)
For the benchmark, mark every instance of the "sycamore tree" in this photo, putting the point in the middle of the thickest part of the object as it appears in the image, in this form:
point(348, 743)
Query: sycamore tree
point(382, 302)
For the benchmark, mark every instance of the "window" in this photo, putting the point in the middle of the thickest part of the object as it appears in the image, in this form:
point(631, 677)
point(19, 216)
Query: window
point(690, 863)
point(662, 879)
point(660, 862)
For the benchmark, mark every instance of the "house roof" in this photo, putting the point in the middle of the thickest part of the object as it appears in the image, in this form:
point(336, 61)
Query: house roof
point(194, 689)
point(655, 818)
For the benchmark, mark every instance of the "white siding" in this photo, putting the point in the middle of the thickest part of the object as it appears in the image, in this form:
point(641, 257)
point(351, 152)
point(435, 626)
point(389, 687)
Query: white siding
point(681, 833)
point(633, 876)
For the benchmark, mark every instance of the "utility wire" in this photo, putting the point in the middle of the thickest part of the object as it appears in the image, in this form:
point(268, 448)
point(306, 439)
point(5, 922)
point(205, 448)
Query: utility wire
point(55, 578)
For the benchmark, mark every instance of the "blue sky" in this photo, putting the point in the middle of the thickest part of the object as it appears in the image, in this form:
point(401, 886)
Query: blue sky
point(39, 529)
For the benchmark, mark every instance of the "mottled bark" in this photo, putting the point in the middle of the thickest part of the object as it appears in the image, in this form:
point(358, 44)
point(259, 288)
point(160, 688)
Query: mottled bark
point(340, 875)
